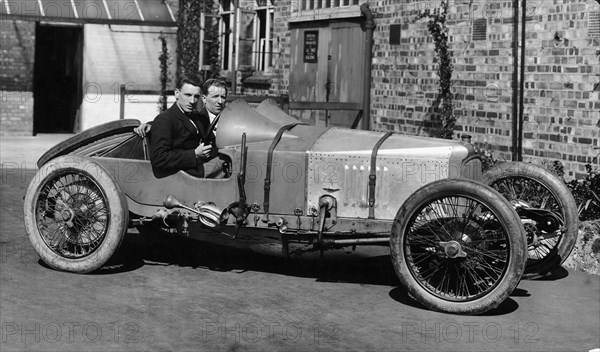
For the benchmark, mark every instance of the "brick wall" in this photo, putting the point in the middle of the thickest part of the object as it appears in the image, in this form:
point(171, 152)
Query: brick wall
point(561, 105)
point(17, 43)
point(282, 35)
point(562, 75)
point(562, 99)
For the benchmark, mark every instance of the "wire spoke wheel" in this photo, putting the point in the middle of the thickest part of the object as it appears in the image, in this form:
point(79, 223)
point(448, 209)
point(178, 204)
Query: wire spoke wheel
point(455, 248)
point(75, 214)
point(531, 188)
point(72, 215)
point(458, 246)
point(532, 194)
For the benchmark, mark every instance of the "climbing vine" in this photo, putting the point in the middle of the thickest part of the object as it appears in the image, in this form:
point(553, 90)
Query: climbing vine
point(444, 103)
point(165, 62)
point(188, 37)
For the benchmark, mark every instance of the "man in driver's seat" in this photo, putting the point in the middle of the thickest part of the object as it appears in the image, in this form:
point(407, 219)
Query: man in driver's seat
point(177, 141)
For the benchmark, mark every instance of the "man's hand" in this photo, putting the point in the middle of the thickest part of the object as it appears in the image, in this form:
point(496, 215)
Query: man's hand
point(203, 151)
point(142, 129)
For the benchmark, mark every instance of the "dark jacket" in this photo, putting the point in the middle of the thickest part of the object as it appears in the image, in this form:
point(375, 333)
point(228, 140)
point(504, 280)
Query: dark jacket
point(208, 136)
point(173, 141)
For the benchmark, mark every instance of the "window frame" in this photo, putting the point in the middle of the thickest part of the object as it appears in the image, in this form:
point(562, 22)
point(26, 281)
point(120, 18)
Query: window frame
point(263, 52)
point(229, 50)
point(261, 55)
point(311, 10)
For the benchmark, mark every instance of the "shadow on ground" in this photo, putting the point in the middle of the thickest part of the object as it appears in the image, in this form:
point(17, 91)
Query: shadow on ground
point(556, 274)
point(160, 249)
point(138, 250)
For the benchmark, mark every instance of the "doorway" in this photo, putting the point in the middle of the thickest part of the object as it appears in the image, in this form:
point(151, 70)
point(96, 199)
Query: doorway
point(57, 78)
point(327, 65)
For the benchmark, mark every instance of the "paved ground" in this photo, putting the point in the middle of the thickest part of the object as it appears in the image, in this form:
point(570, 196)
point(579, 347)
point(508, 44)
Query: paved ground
point(23, 152)
point(160, 293)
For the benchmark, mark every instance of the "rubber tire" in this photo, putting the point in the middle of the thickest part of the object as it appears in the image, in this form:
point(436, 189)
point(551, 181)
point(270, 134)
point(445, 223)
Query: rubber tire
point(501, 208)
point(565, 199)
point(113, 197)
point(86, 137)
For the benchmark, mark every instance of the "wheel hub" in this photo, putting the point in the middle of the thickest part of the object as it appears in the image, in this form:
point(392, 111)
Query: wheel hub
point(453, 249)
point(66, 215)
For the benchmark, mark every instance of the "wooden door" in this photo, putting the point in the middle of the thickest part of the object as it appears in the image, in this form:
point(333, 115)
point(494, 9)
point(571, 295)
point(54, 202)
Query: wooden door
point(335, 75)
point(345, 70)
point(308, 79)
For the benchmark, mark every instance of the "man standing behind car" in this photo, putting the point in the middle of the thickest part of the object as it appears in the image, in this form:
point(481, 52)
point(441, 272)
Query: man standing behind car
point(177, 136)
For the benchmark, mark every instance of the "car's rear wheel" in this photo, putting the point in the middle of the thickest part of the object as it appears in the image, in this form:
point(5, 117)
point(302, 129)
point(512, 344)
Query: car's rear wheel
point(75, 214)
point(529, 186)
point(458, 246)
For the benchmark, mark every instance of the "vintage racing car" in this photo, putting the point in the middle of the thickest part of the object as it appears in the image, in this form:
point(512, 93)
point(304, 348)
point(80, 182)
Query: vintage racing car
point(460, 241)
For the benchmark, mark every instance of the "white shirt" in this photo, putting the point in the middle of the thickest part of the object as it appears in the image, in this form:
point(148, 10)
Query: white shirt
point(192, 121)
point(211, 118)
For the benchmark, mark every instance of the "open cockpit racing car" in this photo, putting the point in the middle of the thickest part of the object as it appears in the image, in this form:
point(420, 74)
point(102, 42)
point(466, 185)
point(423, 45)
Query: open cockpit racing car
point(459, 240)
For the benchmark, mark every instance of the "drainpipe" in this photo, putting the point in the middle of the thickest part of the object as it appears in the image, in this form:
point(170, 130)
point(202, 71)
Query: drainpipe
point(236, 43)
point(522, 84)
point(369, 26)
point(515, 83)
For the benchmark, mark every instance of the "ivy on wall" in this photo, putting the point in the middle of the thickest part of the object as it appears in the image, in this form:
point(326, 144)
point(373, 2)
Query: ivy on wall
point(165, 62)
point(444, 103)
point(188, 37)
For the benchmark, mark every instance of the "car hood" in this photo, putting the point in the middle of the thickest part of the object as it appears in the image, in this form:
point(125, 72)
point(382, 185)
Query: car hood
point(239, 117)
point(340, 163)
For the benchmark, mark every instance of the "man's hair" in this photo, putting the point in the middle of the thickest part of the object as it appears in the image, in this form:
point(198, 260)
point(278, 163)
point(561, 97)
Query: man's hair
point(193, 80)
point(213, 82)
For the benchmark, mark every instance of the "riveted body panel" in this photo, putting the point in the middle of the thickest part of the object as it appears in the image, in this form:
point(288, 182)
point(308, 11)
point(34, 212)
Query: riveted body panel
point(339, 164)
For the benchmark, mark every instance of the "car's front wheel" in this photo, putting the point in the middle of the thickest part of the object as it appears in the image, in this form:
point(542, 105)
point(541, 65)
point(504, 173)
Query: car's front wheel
point(75, 214)
point(458, 246)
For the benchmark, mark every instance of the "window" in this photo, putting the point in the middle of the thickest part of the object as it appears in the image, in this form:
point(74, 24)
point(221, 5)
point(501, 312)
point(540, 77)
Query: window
point(264, 51)
point(209, 40)
point(227, 12)
point(218, 29)
point(246, 39)
point(253, 36)
point(325, 4)
point(309, 10)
